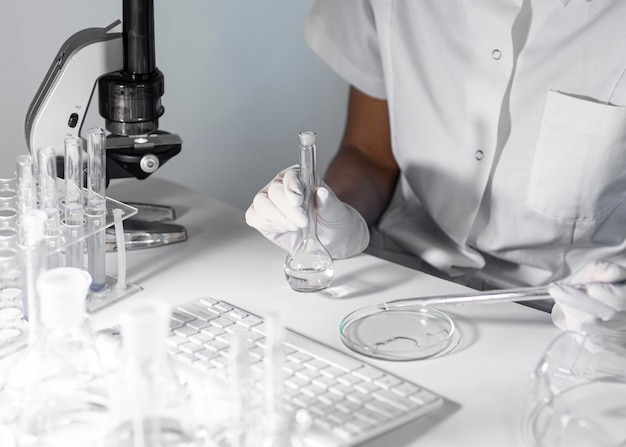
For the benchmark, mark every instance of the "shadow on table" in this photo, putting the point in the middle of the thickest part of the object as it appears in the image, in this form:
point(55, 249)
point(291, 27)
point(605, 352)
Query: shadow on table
point(410, 433)
point(367, 281)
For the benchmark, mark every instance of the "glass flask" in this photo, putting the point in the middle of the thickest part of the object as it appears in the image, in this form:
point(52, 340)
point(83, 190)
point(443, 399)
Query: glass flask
point(150, 406)
point(308, 267)
point(257, 412)
point(63, 394)
point(579, 392)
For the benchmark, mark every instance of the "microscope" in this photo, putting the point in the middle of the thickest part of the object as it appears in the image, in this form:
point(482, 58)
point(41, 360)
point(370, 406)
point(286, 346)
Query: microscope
point(119, 62)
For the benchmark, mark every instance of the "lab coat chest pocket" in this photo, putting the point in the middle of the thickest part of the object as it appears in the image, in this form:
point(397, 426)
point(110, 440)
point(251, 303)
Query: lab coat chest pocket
point(579, 167)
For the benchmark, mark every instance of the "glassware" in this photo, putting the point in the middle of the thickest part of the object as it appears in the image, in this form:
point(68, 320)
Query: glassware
point(278, 427)
point(579, 392)
point(8, 190)
point(48, 202)
point(398, 333)
point(32, 262)
point(74, 210)
point(59, 386)
point(11, 307)
point(150, 406)
point(412, 328)
point(96, 209)
point(26, 183)
point(308, 267)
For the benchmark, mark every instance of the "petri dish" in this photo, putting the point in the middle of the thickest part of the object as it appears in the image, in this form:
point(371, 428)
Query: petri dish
point(397, 334)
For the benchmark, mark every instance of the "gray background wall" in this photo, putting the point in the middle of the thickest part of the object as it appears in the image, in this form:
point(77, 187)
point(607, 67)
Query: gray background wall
point(239, 84)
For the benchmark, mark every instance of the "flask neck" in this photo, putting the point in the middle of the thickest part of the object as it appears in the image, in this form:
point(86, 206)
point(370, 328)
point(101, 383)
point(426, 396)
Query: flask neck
point(308, 181)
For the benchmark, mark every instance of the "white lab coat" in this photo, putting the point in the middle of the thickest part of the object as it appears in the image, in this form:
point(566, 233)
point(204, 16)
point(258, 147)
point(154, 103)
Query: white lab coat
point(508, 123)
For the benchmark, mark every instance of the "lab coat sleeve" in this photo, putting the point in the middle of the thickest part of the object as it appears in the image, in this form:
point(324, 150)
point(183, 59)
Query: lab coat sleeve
point(343, 34)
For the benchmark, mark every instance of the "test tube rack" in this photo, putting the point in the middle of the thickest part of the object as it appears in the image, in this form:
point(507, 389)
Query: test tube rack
point(13, 326)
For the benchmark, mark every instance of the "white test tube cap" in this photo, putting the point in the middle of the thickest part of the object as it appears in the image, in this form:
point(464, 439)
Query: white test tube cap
point(62, 296)
point(307, 138)
point(144, 327)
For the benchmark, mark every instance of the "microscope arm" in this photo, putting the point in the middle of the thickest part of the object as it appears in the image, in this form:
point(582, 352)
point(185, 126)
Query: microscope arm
point(59, 107)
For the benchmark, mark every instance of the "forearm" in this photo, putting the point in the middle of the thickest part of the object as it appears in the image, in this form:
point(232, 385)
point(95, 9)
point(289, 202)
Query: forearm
point(364, 172)
point(360, 183)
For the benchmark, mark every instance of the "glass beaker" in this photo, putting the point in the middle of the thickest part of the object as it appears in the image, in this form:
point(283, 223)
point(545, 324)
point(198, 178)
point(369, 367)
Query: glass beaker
point(59, 385)
point(308, 266)
point(150, 405)
point(579, 392)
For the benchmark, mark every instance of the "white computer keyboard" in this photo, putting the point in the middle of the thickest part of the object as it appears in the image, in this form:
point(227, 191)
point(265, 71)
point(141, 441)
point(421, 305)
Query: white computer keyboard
point(349, 400)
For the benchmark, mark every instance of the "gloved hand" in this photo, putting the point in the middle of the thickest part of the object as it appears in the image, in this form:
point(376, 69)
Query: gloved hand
point(602, 303)
point(277, 213)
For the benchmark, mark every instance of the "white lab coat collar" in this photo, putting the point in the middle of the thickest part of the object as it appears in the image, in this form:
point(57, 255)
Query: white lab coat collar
point(564, 2)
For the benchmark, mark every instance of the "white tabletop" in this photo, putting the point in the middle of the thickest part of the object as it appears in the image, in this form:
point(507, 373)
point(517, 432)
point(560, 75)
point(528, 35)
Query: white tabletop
point(485, 379)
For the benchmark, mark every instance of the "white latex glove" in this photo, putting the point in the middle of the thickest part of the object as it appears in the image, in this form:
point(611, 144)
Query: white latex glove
point(602, 303)
point(277, 213)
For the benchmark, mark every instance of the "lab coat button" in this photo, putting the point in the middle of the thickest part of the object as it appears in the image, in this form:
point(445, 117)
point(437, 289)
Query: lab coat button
point(479, 155)
point(496, 54)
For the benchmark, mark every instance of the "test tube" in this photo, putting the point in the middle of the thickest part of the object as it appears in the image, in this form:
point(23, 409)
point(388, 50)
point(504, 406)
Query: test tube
point(31, 256)
point(26, 188)
point(238, 433)
point(49, 203)
point(96, 208)
point(276, 421)
point(73, 222)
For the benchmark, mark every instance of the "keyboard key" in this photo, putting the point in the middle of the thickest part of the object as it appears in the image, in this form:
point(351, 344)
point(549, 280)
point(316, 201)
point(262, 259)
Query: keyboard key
point(424, 397)
point(200, 338)
point(323, 382)
point(205, 355)
point(198, 325)
point(299, 357)
point(394, 400)
point(316, 364)
point(213, 331)
point(348, 379)
point(236, 329)
point(222, 307)
point(222, 322)
point(332, 371)
point(197, 310)
point(369, 416)
point(237, 314)
point(181, 317)
point(185, 331)
point(368, 373)
point(216, 345)
point(307, 374)
point(366, 387)
point(387, 381)
point(389, 411)
point(405, 389)
point(208, 302)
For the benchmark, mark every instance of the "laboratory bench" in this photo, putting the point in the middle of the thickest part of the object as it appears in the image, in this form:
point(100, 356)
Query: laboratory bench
point(485, 379)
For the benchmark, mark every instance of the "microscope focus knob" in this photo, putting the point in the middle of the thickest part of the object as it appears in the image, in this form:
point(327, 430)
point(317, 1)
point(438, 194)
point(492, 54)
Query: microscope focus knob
point(149, 163)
